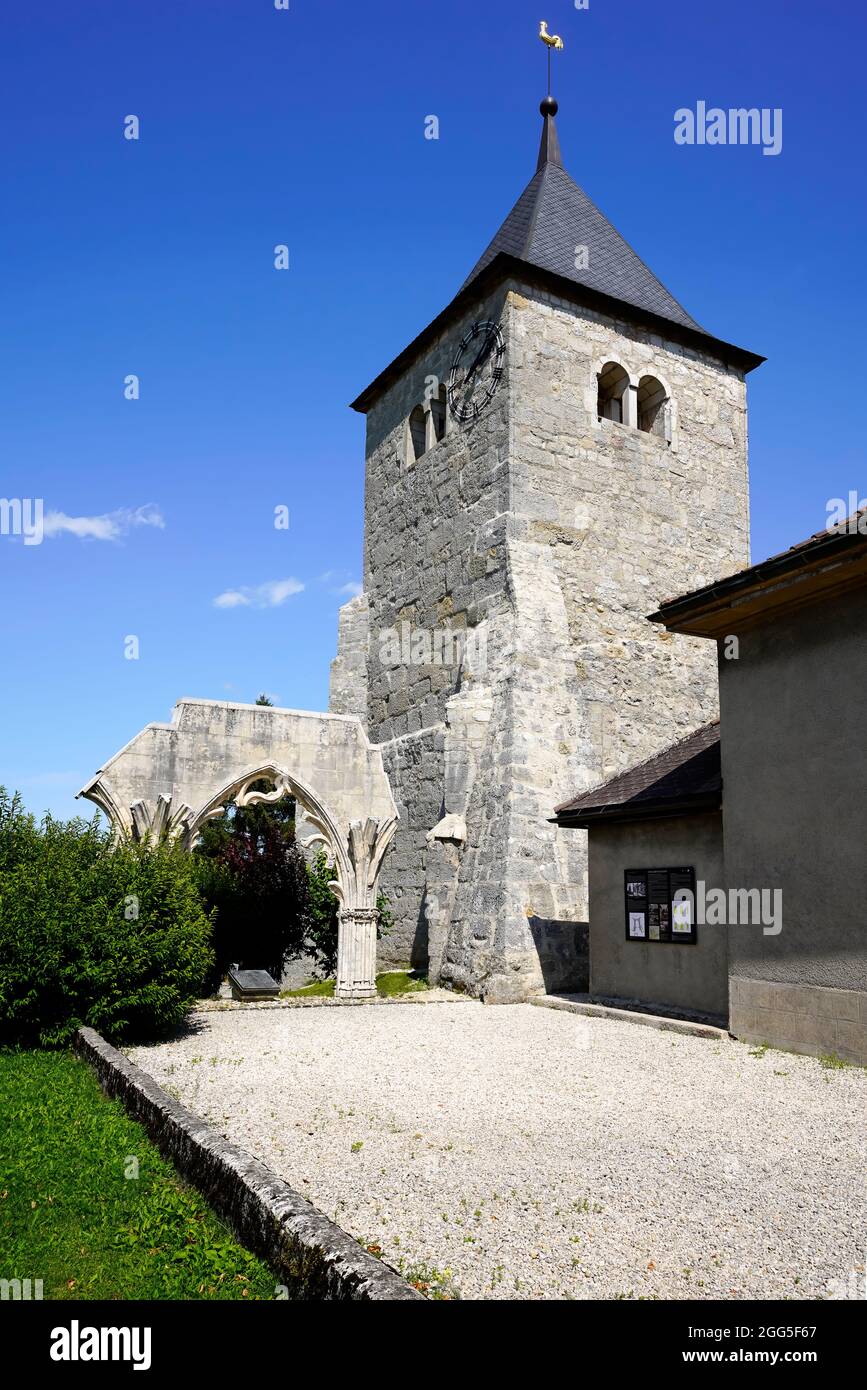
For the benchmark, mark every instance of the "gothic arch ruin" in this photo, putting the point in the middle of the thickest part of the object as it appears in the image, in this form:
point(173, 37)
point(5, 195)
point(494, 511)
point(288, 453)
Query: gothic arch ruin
point(172, 778)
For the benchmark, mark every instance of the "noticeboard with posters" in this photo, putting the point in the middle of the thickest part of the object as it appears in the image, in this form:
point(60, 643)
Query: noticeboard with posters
point(660, 905)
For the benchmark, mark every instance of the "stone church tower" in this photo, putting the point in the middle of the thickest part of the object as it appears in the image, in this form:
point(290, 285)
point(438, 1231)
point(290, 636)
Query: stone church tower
point(561, 449)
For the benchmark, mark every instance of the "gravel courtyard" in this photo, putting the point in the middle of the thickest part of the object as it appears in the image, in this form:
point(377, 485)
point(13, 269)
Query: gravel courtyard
point(526, 1153)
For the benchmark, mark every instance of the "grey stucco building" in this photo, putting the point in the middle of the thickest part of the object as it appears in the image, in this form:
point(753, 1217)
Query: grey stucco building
point(663, 814)
point(789, 847)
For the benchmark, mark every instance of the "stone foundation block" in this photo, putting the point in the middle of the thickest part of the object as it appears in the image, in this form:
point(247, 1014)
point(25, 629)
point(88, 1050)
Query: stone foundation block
point(800, 1018)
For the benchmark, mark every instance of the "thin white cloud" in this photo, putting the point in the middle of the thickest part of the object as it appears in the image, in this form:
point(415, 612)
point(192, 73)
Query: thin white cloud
point(111, 526)
point(338, 584)
point(269, 595)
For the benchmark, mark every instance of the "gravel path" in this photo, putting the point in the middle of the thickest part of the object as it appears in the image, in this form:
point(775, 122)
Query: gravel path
point(536, 1154)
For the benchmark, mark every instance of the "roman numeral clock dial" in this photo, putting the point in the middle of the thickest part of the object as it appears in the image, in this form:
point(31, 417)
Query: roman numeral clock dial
point(476, 371)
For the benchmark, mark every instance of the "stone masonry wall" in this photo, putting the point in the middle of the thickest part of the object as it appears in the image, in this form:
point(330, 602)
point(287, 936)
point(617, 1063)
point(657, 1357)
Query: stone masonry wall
point(626, 519)
point(434, 533)
point(553, 534)
point(605, 521)
point(434, 560)
point(348, 683)
point(414, 766)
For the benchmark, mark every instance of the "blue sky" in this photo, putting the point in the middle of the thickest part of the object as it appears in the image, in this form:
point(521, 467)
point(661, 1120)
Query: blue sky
point(306, 127)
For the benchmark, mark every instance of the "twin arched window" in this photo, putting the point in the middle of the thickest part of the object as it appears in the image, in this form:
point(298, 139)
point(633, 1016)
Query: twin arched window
point(652, 403)
point(645, 407)
point(425, 428)
point(613, 384)
point(417, 441)
point(438, 408)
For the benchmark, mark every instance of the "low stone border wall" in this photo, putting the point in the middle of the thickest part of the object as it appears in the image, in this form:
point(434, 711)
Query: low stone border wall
point(579, 1004)
point(311, 1255)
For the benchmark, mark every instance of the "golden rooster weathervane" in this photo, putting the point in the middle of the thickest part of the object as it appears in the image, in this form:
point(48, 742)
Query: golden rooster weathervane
point(550, 41)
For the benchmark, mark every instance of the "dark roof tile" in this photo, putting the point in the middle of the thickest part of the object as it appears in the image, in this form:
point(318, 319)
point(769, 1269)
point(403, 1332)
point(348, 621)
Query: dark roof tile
point(552, 217)
point(684, 775)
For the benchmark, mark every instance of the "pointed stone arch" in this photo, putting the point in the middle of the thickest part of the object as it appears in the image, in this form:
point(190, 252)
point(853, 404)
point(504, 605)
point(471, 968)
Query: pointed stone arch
point(172, 778)
point(238, 790)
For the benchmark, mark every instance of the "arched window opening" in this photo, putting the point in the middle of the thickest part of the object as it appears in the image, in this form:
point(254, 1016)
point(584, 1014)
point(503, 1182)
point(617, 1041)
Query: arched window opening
point(416, 439)
point(652, 407)
point(613, 381)
point(438, 414)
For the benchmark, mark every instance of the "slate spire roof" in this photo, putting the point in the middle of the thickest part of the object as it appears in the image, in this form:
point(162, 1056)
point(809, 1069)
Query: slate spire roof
point(553, 216)
point(537, 244)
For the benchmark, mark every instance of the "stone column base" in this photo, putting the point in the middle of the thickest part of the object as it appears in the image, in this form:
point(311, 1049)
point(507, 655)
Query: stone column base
point(355, 992)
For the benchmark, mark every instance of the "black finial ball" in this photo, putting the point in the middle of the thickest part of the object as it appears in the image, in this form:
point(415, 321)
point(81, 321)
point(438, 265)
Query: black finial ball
point(549, 107)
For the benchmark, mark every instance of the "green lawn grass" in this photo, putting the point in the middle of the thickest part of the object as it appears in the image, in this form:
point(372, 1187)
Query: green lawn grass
point(387, 985)
point(71, 1214)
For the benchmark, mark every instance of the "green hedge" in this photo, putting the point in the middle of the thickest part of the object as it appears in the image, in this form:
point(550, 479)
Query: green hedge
point(112, 936)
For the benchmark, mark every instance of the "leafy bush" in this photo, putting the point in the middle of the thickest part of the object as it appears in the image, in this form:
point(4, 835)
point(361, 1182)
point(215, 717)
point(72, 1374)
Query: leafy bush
point(322, 921)
point(321, 939)
point(111, 936)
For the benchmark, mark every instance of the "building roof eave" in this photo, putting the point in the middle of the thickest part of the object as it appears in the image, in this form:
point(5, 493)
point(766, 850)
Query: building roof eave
point(624, 814)
point(829, 562)
point(505, 266)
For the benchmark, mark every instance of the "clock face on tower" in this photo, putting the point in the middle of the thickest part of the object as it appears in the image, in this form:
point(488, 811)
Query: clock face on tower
point(476, 371)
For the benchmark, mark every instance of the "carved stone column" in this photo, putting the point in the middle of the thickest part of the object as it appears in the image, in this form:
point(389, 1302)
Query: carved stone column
point(356, 954)
point(356, 893)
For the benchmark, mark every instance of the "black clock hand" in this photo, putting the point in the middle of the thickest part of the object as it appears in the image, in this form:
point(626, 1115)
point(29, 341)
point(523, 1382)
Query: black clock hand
point(484, 351)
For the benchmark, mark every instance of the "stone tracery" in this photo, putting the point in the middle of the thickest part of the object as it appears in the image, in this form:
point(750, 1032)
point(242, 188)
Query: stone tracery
point(148, 790)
